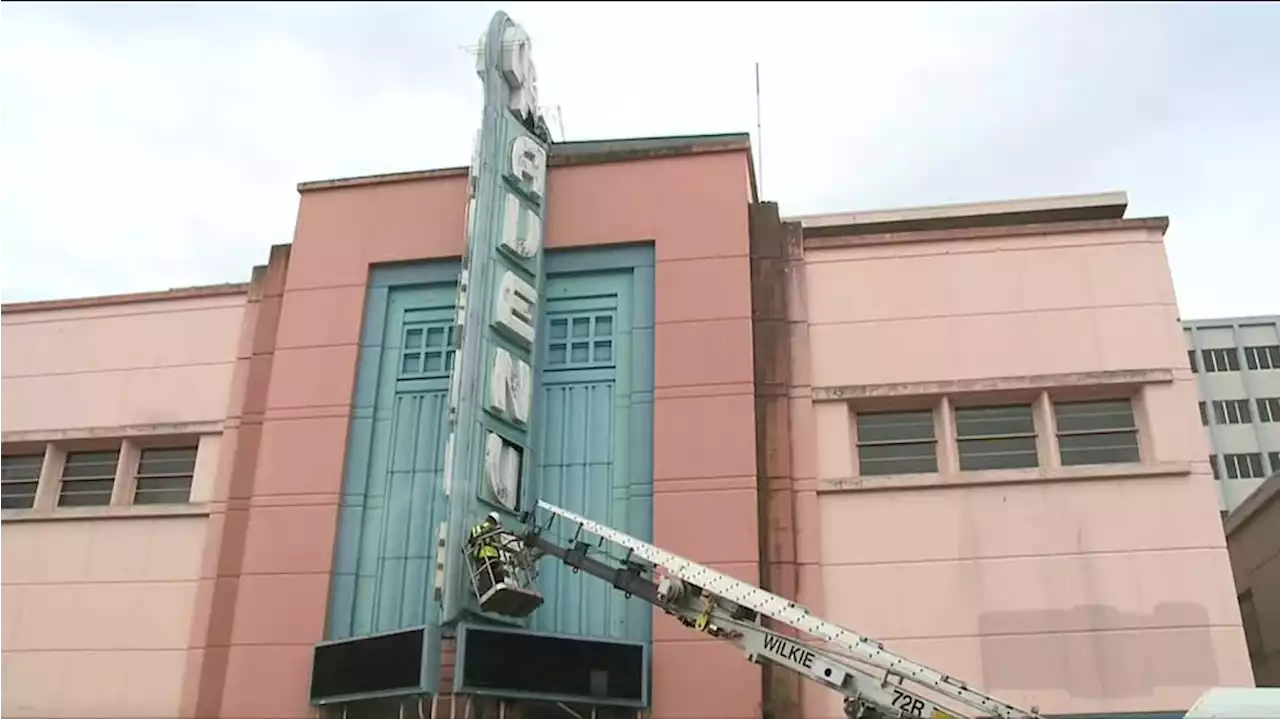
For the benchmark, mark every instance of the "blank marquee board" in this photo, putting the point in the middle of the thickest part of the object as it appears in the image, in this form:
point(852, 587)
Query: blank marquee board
point(506, 662)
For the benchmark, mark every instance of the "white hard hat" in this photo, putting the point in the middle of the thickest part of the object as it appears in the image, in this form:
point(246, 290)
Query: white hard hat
point(493, 517)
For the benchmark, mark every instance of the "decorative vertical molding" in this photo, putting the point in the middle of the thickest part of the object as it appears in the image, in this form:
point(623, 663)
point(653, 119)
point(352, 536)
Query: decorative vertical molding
point(944, 427)
point(204, 680)
point(1046, 427)
point(775, 497)
point(50, 479)
point(1142, 421)
point(855, 460)
point(126, 474)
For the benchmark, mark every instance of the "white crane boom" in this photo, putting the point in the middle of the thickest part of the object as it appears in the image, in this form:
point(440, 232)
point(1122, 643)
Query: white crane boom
point(872, 679)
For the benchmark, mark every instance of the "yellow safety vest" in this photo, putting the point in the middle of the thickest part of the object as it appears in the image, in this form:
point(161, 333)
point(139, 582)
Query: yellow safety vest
point(484, 549)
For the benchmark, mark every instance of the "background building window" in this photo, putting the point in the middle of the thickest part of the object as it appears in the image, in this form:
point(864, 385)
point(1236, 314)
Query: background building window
point(87, 479)
point(1204, 414)
point(1274, 458)
point(1099, 432)
point(1213, 462)
point(896, 443)
point(1264, 357)
point(1269, 409)
point(1220, 360)
point(164, 476)
point(996, 437)
point(1191, 359)
point(19, 479)
point(1231, 411)
point(1244, 466)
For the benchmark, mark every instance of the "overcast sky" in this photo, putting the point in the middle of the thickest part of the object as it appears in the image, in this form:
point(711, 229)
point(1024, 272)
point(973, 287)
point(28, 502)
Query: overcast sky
point(154, 145)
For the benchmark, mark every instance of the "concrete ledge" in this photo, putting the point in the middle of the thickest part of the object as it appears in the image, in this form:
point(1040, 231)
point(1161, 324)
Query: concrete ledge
point(54, 436)
point(889, 482)
point(895, 236)
point(178, 293)
point(144, 511)
point(993, 384)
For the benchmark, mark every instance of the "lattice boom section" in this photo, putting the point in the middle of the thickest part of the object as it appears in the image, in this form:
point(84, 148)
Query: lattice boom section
point(793, 615)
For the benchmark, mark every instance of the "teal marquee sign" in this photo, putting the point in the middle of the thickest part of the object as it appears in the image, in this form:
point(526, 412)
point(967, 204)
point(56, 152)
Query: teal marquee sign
point(491, 393)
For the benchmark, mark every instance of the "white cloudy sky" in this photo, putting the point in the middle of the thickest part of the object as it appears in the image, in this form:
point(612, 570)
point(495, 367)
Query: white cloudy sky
point(152, 145)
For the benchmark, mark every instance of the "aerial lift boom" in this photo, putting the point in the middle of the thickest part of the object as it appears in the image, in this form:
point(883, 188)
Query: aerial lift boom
point(875, 682)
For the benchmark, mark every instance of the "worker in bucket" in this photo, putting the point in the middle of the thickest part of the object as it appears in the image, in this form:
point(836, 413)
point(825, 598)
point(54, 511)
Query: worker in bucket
point(484, 542)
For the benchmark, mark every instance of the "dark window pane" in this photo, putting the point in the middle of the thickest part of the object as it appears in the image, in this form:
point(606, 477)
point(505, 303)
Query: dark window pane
point(162, 496)
point(21, 467)
point(994, 421)
point(19, 495)
point(895, 426)
point(90, 465)
point(1093, 416)
point(1010, 453)
point(897, 459)
point(96, 498)
point(164, 475)
point(1108, 448)
point(152, 483)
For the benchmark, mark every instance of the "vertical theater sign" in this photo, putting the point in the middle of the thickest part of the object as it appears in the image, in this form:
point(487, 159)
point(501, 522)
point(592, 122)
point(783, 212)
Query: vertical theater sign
point(491, 392)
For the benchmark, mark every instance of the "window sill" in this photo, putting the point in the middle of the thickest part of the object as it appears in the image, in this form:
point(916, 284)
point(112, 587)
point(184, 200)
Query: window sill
point(1006, 476)
point(149, 511)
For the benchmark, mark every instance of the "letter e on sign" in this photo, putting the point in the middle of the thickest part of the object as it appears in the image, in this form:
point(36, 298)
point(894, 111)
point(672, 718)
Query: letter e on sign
point(529, 166)
point(515, 313)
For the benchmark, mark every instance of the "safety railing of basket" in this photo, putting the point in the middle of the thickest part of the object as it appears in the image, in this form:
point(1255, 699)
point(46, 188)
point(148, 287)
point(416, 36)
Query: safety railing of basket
point(519, 563)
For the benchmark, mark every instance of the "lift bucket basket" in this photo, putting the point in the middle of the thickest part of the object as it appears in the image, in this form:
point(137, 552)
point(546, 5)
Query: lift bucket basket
point(511, 591)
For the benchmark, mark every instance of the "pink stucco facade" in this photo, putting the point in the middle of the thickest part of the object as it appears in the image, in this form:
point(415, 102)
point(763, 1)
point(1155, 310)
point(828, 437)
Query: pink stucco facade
point(1080, 589)
point(1083, 589)
point(98, 600)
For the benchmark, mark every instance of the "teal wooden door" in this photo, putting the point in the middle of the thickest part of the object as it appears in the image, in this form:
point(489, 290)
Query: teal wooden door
point(583, 455)
point(393, 498)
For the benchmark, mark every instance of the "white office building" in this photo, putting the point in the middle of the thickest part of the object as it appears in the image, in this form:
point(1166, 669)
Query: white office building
point(1237, 366)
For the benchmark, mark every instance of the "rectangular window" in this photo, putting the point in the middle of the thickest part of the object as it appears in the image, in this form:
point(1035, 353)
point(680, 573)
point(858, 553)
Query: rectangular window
point(1220, 360)
point(1244, 466)
point(996, 437)
point(1231, 411)
point(1274, 458)
point(1191, 359)
point(1263, 357)
point(1099, 432)
point(1204, 414)
point(1269, 409)
point(164, 476)
point(896, 443)
point(87, 479)
point(19, 479)
point(1213, 462)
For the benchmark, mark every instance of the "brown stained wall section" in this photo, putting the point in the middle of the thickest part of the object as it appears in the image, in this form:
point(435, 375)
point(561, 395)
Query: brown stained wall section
point(774, 482)
point(214, 617)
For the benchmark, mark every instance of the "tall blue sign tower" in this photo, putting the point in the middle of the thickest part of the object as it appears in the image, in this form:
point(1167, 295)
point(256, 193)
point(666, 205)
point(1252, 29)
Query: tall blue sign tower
point(491, 394)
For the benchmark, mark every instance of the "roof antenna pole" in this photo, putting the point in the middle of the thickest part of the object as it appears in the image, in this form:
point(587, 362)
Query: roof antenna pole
point(759, 133)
